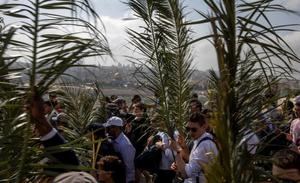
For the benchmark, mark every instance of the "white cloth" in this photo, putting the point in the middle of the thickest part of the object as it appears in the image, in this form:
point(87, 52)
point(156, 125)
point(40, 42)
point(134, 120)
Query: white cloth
point(252, 141)
point(200, 155)
point(49, 135)
point(168, 156)
point(123, 146)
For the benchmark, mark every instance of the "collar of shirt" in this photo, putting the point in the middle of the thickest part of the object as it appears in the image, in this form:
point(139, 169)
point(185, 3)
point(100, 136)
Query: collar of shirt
point(195, 142)
point(119, 138)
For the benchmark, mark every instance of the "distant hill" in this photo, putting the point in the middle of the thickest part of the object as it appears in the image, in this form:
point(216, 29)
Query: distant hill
point(122, 76)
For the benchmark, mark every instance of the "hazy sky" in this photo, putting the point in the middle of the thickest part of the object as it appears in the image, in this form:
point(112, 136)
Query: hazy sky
point(113, 11)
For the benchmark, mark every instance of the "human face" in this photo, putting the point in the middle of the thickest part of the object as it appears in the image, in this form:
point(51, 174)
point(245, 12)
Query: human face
point(112, 131)
point(195, 130)
point(137, 112)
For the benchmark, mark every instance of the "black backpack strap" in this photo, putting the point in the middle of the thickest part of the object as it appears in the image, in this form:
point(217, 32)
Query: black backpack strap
point(204, 139)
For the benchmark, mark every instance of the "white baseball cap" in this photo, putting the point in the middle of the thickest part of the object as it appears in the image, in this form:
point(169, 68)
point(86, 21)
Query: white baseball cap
point(113, 121)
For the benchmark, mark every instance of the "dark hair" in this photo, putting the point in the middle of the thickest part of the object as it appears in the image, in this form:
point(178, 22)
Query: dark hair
point(197, 117)
point(141, 106)
point(115, 165)
point(107, 99)
point(287, 159)
point(156, 138)
point(289, 105)
point(97, 128)
point(112, 110)
point(119, 101)
point(197, 102)
point(136, 97)
point(194, 95)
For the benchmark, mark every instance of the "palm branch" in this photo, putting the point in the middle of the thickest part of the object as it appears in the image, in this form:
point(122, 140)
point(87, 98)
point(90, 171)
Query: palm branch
point(164, 66)
point(251, 57)
point(81, 107)
point(50, 44)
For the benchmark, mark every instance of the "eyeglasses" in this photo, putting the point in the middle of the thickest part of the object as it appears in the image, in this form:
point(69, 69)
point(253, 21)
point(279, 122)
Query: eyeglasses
point(191, 129)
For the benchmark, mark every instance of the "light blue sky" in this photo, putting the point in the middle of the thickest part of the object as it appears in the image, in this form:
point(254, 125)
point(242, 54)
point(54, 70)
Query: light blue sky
point(113, 11)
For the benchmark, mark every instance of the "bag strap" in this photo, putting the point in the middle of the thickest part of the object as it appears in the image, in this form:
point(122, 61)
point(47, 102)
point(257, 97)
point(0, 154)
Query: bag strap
point(204, 139)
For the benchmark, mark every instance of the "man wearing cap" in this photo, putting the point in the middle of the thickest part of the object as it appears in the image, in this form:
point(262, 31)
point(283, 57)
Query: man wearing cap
point(122, 145)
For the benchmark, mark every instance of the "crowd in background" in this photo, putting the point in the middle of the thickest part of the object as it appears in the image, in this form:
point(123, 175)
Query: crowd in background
point(134, 150)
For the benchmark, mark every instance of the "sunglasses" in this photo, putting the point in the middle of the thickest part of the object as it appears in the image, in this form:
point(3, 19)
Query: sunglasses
point(188, 129)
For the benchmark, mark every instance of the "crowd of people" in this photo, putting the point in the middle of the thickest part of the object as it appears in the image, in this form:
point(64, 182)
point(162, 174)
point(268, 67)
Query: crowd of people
point(132, 150)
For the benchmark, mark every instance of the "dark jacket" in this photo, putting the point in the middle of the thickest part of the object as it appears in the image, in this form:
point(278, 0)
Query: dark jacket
point(66, 157)
point(139, 135)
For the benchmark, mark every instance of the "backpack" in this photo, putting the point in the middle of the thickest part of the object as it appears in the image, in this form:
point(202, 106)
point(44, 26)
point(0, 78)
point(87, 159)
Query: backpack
point(150, 158)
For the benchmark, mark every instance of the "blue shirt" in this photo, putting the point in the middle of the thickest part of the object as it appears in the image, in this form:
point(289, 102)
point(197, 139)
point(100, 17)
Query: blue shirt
point(123, 146)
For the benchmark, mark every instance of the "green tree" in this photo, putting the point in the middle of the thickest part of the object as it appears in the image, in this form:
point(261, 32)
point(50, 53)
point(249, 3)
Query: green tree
point(48, 37)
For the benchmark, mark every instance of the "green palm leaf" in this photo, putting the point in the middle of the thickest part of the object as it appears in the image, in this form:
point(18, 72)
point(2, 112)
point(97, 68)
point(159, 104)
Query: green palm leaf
point(165, 63)
point(48, 43)
point(252, 56)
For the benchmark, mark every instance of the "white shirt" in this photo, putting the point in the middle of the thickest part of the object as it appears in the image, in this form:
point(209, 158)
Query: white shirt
point(49, 135)
point(252, 141)
point(123, 146)
point(168, 156)
point(202, 154)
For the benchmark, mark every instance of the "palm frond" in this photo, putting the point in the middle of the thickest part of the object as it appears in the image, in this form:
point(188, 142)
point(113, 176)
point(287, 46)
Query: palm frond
point(165, 64)
point(48, 43)
point(252, 56)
